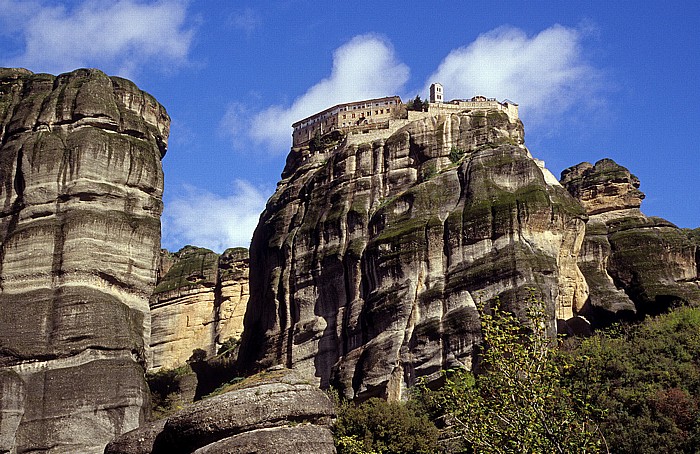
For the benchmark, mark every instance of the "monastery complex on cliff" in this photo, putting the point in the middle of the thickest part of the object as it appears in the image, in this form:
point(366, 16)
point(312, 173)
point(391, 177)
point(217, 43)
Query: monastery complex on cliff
point(389, 113)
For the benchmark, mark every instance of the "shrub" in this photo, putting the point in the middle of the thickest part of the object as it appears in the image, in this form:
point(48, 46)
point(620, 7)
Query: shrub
point(456, 154)
point(165, 390)
point(518, 403)
point(381, 427)
point(647, 379)
point(428, 171)
point(229, 346)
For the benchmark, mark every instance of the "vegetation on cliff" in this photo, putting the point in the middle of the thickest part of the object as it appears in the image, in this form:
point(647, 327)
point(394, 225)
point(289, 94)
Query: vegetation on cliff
point(647, 379)
point(630, 389)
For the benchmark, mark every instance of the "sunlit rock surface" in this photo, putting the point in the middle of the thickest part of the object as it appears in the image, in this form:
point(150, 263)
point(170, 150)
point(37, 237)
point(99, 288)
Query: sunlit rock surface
point(634, 264)
point(81, 186)
point(199, 303)
point(370, 258)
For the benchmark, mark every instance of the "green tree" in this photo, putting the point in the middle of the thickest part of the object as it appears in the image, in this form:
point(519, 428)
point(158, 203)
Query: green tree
point(229, 347)
point(647, 378)
point(518, 403)
point(316, 144)
point(417, 104)
point(380, 427)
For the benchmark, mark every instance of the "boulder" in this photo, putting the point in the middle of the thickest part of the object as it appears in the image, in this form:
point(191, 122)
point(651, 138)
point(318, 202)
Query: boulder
point(298, 439)
point(276, 411)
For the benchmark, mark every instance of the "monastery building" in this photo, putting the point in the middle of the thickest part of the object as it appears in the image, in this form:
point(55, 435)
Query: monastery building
point(388, 113)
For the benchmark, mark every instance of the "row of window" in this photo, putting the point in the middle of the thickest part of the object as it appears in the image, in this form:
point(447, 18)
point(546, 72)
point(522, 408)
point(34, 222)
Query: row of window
point(346, 108)
point(353, 115)
point(369, 113)
point(364, 106)
point(303, 128)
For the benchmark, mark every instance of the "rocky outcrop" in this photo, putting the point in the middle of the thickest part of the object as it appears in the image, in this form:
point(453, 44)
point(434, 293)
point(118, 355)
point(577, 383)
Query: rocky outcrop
point(634, 264)
point(81, 185)
point(273, 412)
point(198, 304)
point(694, 236)
point(370, 259)
point(234, 280)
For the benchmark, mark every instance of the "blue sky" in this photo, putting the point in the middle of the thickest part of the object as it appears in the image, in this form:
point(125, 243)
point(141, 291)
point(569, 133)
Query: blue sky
point(594, 79)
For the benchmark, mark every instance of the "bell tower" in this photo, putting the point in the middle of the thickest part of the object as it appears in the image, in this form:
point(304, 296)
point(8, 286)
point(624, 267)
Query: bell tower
point(436, 93)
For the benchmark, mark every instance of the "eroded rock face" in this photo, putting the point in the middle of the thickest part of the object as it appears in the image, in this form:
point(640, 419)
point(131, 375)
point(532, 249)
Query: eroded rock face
point(81, 186)
point(199, 303)
point(634, 264)
point(277, 411)
point(369, 260)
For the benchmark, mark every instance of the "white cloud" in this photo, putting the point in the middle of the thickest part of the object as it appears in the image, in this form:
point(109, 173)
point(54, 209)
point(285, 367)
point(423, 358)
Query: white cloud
point(118, 37)
point(247, 20)
point(209, 220)
point(234, 124)
point(365, 67)
point(545, 74)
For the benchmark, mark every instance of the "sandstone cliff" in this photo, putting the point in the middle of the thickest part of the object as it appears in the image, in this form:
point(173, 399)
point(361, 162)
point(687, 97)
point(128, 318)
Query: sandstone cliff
point(198, 303)
point(369, 260)
point(81, 185)
point(634, 264)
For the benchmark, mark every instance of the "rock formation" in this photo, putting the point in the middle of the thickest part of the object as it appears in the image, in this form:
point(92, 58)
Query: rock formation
point(198, 303)
point(276, 412)
point(370, 259)
point(81, 185)
point(634, 264)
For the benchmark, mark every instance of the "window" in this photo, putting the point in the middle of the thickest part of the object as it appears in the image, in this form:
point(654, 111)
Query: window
point(344, 116)
point(353, 115)
point(376, 112)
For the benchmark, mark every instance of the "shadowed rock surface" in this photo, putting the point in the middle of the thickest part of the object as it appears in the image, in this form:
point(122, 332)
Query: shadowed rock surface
point(81, 186)
point(273, 412)
point(634, 264)
point(198, 303)
point(369, 259)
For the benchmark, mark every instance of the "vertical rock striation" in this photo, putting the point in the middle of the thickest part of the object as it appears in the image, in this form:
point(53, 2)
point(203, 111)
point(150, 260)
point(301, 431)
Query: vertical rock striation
point(81, 186)
point(634, 264)
point(369, 260)
point(198, 303)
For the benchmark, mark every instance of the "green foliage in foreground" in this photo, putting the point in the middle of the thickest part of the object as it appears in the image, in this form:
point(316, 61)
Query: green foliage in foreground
point(633, 389)
point(518, 404)
point(380, 427)
point(229, 347)
point(647, 377)
point(456, 154)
